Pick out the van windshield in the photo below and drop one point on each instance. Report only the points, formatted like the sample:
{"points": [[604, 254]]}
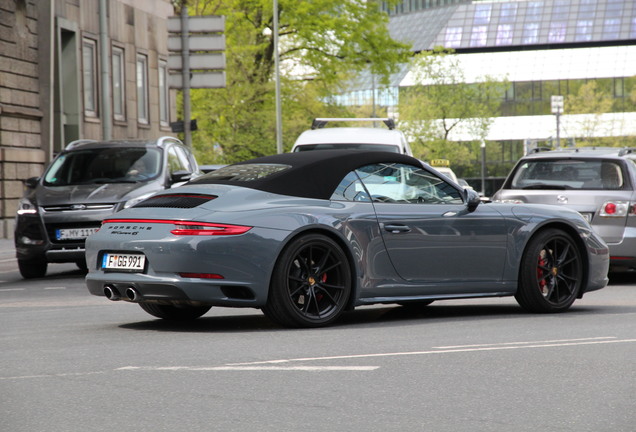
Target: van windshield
{"points": [[348, 146], [104, 165]]}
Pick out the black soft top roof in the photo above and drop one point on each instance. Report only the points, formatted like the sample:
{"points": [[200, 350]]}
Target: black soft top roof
{"points": [[312, 174]]}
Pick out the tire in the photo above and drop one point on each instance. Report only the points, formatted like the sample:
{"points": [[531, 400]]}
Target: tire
{"points": [[175, 313], [551, 273], [33, 268], [311, 283], [82, 266]]}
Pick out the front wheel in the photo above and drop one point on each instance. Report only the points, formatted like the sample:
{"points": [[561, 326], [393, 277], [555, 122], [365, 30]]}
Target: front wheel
{"points": [[32, 268], [311, 283], [175, 312], [551, 273]]}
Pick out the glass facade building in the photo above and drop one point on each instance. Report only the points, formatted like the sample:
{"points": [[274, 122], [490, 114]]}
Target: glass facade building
{"points": [[540, 48]]}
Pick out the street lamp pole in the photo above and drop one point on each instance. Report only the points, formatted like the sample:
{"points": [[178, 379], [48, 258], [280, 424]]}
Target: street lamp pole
{"points": [[279, 116], [483, 167]]}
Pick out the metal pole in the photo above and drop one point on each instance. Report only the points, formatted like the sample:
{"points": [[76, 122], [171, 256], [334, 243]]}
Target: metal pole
{"points": [[185, 57], [105, 69], [558, 131], [483, 167], [279, 115]]}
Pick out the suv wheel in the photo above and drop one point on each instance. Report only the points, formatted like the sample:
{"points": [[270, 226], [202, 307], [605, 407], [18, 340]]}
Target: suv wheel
{"points": [[33, 268]]}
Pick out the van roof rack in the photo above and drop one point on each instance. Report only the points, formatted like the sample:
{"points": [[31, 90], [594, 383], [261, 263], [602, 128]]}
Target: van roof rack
{"points": [[320, 123], [75, 143]]}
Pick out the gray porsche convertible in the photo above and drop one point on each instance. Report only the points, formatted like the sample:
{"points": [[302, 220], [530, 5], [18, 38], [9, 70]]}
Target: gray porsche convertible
{"points": [[307, 236]]}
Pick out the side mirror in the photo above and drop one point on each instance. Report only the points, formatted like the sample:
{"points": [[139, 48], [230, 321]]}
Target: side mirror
{"points": [[32, 182], [472, 199], [180, 176]]}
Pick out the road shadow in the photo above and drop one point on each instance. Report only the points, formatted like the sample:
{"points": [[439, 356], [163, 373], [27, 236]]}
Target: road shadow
{"points": [[389, 315]]}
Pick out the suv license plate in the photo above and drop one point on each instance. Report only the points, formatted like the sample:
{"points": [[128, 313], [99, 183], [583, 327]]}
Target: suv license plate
{"points": [[128, 262], [74, 233]]}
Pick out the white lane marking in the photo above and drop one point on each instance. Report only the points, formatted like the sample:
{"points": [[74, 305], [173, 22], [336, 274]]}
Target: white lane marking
{"points": [[8, 260], [248, 368], [12, 289], [526, 343], [51, 375], [54, 288], [446, 351]]}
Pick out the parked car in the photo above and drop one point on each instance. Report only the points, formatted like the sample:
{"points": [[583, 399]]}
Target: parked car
{"points": [[320, 137], [85, 183], [599, 183], [305, 236]]}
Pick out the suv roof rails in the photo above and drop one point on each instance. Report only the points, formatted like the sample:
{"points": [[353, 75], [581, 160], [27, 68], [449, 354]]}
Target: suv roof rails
{"points": [[75, 143], [538, 150], [319, 123], [627, 150]]}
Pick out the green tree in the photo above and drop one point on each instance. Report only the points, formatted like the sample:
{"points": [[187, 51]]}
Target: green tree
{"points": [[322, 43], [441, 102], [592, 102]]}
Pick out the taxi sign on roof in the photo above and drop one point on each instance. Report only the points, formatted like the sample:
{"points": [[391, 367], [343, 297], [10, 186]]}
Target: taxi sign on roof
{"points": [[440, 162]]}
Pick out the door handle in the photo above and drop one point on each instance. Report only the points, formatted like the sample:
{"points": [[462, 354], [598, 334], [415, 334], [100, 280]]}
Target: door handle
{"points": [[396, 228]]}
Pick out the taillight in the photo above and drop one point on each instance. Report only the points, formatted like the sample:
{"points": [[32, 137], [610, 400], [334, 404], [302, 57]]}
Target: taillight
{"points": [[187, 227], [207, 229], [614, 209]]}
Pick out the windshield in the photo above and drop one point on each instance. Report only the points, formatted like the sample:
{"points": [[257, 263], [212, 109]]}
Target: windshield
{"points": [[348, 146], [568, 174], [104, 165]]}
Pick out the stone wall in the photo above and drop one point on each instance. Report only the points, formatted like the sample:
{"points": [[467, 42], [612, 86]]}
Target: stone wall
{"points": [[21, 155]]}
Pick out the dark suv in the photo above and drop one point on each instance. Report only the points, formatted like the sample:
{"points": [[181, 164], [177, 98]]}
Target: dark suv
{"points": [[85, 183], [597, 182]]}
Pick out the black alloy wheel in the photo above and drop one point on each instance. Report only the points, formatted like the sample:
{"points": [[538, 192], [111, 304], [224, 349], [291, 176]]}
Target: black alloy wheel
{"points": [[551, 273], [311, 283]]}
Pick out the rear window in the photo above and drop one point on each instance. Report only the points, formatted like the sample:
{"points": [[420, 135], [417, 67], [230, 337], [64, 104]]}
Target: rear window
{"points": [[243, 172], [569, 174]]}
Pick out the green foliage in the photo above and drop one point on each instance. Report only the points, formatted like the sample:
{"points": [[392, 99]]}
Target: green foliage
{"points": [[594, 101], [443, 103], [330, 40]]}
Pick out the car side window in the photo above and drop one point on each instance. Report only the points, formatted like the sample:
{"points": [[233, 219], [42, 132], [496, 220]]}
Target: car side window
{"points": [[351, 189], [177, 160], [400, 183]]}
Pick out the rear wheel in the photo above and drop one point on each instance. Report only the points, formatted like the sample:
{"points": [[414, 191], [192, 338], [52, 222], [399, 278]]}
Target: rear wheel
{"points": [[32, 268], [175, 312], [311, 283], [551, 273]]}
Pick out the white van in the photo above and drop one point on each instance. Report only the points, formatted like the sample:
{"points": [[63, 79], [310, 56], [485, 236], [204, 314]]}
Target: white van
{"points": [[360, 138]]}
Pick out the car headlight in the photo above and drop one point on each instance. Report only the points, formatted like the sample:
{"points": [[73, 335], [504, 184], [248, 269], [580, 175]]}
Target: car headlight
{"points": [[26, 206], [131, 202]]}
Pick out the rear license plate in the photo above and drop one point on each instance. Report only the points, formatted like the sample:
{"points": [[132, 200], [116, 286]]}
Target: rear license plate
{"points": [[74, 233], [120, 261]]}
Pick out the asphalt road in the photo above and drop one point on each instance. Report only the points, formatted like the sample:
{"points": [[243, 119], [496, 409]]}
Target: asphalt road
{"points": [[74, 362]]}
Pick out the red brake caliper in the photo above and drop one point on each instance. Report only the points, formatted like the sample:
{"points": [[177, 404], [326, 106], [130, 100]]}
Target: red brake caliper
{"points": [[540, 273]]}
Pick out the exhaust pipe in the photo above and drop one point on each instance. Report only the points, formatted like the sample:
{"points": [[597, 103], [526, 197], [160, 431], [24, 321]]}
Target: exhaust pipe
{"points": [[132, 294], [111, 293]]}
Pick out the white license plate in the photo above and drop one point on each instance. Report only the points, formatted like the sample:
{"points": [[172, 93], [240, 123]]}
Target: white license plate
{"points": [[120, 261], [74, 233]]}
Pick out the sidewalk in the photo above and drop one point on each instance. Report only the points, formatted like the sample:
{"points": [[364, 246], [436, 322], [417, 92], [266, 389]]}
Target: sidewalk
{"points": [[7, 249]]}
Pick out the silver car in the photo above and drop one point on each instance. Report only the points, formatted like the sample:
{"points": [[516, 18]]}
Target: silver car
{"points": [[597, 182], [306, 236]]}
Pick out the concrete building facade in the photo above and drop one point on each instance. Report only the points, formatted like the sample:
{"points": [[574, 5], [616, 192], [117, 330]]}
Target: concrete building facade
{"points": [[77, 69]]}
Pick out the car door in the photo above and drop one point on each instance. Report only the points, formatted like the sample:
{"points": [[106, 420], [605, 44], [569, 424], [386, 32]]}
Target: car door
{"points": [[428, 231]]}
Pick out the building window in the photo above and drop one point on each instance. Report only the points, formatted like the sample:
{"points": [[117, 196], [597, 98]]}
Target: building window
{"points": [[164, 94], [89, 66], [142, 89], [119, 84], [453, 37]]}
